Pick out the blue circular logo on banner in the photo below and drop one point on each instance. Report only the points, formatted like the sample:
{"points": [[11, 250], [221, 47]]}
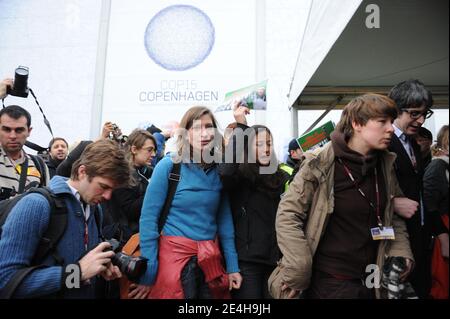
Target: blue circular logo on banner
{"points": [[179, 37]]}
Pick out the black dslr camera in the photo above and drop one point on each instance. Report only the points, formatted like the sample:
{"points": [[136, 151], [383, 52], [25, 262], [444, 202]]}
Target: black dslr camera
{"points": [[132, 267], [6, 193], [392, 269], [20, 86], [116, 135]]}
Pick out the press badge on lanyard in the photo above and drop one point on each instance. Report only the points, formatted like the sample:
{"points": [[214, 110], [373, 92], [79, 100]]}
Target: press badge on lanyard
{"points": [[380, 232], [383, 233]]}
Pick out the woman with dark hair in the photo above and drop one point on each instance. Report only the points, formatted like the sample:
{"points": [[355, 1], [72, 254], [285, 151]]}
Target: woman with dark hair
{"points": [[184, 259], [435, 191], [123, 211], [255, 184]]}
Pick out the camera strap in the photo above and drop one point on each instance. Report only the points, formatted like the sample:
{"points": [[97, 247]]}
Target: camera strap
{"points": [[377, 192], [46, 122], [23, 175]]}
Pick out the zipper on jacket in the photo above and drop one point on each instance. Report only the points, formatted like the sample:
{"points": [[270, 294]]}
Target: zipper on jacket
{"points": [[244, 215]]}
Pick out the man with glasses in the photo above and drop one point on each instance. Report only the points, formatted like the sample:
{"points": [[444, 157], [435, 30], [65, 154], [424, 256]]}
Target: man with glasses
{"points": [[413, 103]]}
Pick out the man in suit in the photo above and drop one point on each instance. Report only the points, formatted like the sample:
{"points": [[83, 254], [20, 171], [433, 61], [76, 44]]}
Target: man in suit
{"points": [[413, 102]]}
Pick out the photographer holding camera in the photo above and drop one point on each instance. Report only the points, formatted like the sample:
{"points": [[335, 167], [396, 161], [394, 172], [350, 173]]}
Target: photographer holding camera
{"points": [[19, 171], [102, 167]]}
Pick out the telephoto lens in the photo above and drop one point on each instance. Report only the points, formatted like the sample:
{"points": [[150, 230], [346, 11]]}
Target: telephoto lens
{"points": [[20, 86], [21, 79], [130, 266]]}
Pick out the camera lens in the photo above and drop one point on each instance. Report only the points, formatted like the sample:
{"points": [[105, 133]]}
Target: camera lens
{"points": [[21, 79], [132, 267], [22, 70]]}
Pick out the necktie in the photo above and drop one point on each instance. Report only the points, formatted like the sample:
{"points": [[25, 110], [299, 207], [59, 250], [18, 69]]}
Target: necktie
{"points": [[409, 149]]}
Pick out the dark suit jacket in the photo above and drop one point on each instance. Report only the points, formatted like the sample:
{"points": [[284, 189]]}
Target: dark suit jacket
{"points": [[409, 179], [410, 182]]}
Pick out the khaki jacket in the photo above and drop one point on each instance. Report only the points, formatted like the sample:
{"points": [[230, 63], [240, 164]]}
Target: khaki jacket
{"points": [[303, 214]]}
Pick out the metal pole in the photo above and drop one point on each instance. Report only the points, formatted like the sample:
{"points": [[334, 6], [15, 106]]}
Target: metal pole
{"points": [[294, 121], [97, 103], [329, 108]]}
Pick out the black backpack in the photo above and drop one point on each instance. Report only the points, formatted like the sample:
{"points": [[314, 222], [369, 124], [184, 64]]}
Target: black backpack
{"points": [[48, 243]]}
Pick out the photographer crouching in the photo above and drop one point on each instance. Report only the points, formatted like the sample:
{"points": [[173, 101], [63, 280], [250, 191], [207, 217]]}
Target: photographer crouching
{"points": [[70, 269]]}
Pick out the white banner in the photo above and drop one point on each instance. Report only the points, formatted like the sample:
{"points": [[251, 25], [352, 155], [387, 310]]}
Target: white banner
{"points": [[164, 57]]}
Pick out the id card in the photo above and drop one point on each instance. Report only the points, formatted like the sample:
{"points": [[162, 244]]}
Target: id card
{"points": [[384, 233]]}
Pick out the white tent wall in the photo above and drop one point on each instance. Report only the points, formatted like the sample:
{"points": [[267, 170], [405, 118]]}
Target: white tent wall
{"points": [[367, 59], [57, 40], [326, 22]]}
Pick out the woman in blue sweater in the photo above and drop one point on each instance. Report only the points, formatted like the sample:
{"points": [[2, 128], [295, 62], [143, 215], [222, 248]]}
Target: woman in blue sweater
{"points": [[185, 261]]}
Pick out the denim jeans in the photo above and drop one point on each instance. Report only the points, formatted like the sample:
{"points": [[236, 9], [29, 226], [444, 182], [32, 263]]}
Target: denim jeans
{"points": [[193, 281]]}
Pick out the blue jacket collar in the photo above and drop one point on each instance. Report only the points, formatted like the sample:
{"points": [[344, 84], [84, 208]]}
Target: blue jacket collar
{"points": [[58, 185]]}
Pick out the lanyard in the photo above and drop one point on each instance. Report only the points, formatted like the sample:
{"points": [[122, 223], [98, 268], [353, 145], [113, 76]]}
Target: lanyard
{"points": [[377, 208], [86, 232]]}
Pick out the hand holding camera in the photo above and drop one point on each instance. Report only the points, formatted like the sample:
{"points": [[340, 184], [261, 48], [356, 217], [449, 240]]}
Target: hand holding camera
{"points": [[240, 110], [4, 87], [18, 87], [132, 267], [98, 262], [116, 135], [113, 132]]}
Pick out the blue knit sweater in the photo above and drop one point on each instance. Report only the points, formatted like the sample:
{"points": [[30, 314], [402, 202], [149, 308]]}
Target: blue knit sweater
{"points": [[24, 227], [199, 211]]}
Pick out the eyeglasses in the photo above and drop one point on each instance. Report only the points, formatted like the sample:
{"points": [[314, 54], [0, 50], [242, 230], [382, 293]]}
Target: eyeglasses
{"points": [[417, 114]]}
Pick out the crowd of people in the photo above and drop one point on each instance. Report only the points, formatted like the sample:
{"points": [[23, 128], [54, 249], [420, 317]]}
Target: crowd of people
{"points": [[218, 216]]}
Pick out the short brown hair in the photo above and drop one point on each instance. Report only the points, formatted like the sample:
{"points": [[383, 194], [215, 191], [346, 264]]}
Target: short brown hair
{"points": [[106, 159], [53, 140], [363, 108]]}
